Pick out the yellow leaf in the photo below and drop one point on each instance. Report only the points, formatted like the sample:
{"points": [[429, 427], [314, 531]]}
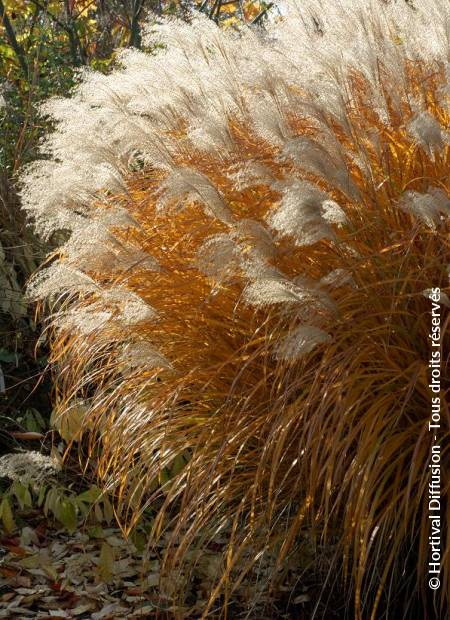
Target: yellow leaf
{"points": [[69, 424]]}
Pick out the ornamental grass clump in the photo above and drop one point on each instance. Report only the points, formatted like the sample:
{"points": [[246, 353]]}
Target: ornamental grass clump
{"points": [[239, 308]]}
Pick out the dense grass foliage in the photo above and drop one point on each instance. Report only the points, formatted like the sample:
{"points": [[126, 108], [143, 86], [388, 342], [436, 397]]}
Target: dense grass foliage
{"points": [[240, 312]]}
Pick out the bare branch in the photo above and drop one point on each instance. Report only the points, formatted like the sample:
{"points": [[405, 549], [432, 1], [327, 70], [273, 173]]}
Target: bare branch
{"points": [[135, 34], [18, 50]]}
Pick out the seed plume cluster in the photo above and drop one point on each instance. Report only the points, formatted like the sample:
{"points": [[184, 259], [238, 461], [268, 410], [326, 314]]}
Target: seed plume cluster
{"points": [[250, 221]]}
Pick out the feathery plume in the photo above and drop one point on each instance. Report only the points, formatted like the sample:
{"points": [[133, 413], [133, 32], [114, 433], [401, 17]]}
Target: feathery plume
{"points": [[287, 194]]}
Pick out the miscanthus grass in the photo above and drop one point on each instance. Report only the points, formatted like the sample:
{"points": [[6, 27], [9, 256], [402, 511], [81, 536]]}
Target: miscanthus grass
{"points": [[253, 220]]}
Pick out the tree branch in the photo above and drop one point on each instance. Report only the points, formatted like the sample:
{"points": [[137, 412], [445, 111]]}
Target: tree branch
{"points": [[76, 49], [50, 14], [262, 13], [74, 39], [135, 31], [18, 50]]}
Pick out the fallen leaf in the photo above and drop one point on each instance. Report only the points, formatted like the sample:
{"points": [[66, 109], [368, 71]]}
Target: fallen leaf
{"points": [[81, 609], [16, 550], [142, 611], [152, 580], [28, 436], [31, 561], [106, 611]]}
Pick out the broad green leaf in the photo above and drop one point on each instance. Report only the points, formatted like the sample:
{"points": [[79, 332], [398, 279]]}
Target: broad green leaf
{"points": [[96, 531], [139, 540], [67, 515], [51, 501], [41, 496], [8, 356], [98, 512], [106, 562], [108, 511], [177, 465], [7, 515], [22, 494], [82, 507], [33, 421], [90, 496]]}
